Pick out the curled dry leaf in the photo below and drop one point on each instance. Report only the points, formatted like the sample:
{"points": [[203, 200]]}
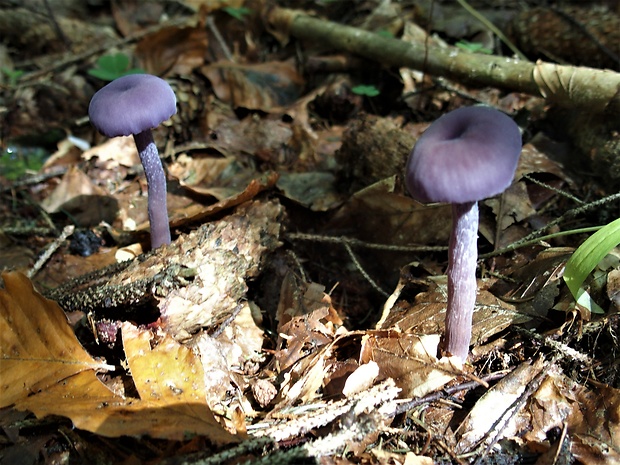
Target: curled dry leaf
{"points": [[197, 212]]}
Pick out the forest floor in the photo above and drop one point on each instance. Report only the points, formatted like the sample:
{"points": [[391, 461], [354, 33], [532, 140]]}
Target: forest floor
{"points": [[297, 315]]}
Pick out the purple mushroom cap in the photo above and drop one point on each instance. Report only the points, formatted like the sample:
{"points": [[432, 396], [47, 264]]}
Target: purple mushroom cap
{"points": [[466, 155], [132, 104]]}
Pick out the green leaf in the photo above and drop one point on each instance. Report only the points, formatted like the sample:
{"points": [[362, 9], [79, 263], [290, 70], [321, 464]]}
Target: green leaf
{"points": [[110, 67], [117, 62], [473, 47], [237, 13], [13, 75], [586, 257], [102, 74], [368, 91], [385, 33]]}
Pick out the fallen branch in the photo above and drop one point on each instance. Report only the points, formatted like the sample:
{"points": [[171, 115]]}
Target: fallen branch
{"points": [[566, 86]]}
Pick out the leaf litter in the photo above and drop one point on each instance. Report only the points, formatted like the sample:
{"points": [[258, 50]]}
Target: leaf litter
{"points": [[299, 311]]}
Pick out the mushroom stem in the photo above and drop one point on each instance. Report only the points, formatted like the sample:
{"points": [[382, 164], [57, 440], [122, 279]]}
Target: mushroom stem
{"points": [[462, 257], [156, 181]]}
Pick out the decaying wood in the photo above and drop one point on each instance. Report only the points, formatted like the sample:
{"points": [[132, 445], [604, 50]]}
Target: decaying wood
{"points": [[196, 281], [567, 86]]}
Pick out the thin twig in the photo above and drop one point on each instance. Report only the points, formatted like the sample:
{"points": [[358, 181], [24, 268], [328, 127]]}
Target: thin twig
{"points": [[218, 37], [560, 347], [447, 392], [362, 271], [367, 245], [66, 232], [554, 189], [538, 234], [36, 179], [59, 32]]}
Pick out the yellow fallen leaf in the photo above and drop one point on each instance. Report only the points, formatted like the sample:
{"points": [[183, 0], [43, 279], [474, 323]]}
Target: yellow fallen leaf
{"points": [[167, 371], [44, 369], [37, 346]]}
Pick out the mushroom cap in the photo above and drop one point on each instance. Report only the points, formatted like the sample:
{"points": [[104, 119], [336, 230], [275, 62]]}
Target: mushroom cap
{"points": [[466, 155], [132, 104]]}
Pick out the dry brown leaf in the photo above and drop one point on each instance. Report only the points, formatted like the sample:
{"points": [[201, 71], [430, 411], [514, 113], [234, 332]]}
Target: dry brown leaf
{"points": [[317, 190], [236, 351], [383, 215], [427, 315], [173, 50], [196, 213], [199, 174], [93, 407], [535, 160], [74, 183], [408, 359], [167, 373], [305, 321], [262, 86], [114, 152], [599, 429], [38, 347]]}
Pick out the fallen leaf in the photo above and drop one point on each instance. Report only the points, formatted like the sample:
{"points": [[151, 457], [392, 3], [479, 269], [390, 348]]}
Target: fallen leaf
{"points": [[427, 314], [45, 370], [410, 360], [162, 369], [262, 86], [495, 409], [38, 348]]}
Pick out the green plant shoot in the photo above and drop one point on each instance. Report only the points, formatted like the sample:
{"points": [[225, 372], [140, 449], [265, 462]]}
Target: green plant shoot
{"points": [[585, 258], [12, 75], [110, 67], [237, 13], [473, 47], [368, 91]]}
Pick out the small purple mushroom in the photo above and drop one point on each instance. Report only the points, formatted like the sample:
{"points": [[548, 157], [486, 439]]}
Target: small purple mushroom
{"points": [[135, 104], [466, 155]]}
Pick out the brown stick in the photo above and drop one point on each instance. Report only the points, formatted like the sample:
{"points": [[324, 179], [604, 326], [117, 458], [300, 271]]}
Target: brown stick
{"points": [[568, 86]]}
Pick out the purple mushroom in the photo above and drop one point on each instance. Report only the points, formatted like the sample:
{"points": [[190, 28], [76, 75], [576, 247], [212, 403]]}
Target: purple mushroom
{"points": [[466, 155], [135, 104]]}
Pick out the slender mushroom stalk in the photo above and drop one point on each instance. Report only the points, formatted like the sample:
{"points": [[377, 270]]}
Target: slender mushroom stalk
{"points": [[462, 257], [156, 185], [466, 155], [135, 104]]}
